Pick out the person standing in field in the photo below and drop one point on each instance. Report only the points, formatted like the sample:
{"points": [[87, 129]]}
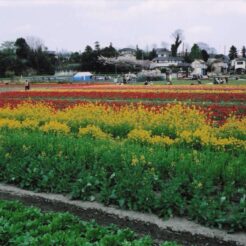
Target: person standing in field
{"points": [[169, 77], [27, 85]]}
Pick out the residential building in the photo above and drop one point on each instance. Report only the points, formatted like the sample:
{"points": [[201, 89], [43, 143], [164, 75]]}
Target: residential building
{"points": [[239, 64], [163, 52], [164, 62], [217, 66], [199, 68], [127, 52]]}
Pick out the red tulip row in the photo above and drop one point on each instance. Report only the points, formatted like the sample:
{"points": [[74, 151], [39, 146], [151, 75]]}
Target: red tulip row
{"points": [[183, 96]]}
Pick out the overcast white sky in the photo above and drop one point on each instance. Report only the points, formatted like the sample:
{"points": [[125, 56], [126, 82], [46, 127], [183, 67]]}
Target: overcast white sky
{"points": [[72, 24]]}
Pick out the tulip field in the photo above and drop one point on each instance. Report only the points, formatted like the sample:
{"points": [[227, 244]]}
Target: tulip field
{"points": [[166, 150], [219, 101]]}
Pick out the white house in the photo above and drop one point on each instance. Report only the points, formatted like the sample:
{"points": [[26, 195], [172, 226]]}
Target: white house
{"points": [[163, 52], [238, 64], [163, 62], [199, 67], [127, 52]]}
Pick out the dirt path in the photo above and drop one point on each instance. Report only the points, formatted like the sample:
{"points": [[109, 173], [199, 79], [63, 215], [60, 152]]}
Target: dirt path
{"points": [[174, 229]]}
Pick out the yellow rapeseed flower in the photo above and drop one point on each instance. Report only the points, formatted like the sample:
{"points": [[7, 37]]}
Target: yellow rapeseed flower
{"points": [[55, 126], [93, 131]]}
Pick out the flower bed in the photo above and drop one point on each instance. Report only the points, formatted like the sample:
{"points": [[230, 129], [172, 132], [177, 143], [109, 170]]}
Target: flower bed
{"points": [[89, 150], [143, 95], [168, 159]]}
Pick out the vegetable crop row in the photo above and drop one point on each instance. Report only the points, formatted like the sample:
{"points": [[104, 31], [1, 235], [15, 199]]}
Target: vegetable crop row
{"points": [[204, 185], [21, 225]]}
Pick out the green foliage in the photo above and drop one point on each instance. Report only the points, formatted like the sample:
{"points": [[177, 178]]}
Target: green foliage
{"points": [[204, 55], [195, 53], [109, 51], [152, 54], [7, 59], [20, 225], [22, 48], [19, 59], [203, 184], [89, 58], [42, 62], [139, 53], [233, 52], [244, 52]]}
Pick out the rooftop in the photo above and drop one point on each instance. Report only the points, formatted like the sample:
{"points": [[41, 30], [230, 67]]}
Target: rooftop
{"points": [[171, 58]]}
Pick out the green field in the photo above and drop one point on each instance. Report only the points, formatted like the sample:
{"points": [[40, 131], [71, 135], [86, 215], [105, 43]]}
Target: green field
{"points": [[203, 184], [21, 225]]}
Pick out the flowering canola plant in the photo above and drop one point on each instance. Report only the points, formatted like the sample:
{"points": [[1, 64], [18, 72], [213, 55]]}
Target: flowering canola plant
{"points": [[174, 124]]}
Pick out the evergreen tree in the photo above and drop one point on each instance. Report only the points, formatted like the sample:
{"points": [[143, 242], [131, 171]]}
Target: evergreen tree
{"points": [[139, 54], [97, 46], [7, 63], [244, 52], [75, 57], [109, 51], [233, 52], [195, 53], [23, 56], [88, 59], [187, 57], [88, 49], [42, 62], [22, 48], [204, 55], [7, 58], [152, 54]]}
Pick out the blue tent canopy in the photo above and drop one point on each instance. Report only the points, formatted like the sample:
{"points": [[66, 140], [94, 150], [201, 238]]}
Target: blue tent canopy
{"points": [[82, 76]]}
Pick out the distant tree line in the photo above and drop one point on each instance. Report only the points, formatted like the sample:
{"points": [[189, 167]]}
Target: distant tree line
{"points": [[198, 53], [33, 58], [88, 59], [18, 58]]}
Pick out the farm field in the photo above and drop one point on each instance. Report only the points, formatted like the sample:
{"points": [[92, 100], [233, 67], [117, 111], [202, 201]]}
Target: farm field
{"points": [[167, 150], [219, 101]]}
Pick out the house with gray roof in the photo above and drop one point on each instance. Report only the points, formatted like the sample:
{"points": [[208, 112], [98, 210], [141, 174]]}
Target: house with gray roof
{"points": [[199, 67], [217, 66], [164, 62], [127, 52], [163, 52]]}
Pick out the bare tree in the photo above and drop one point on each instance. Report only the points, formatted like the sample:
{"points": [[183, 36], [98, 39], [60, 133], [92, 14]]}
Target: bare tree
{"points": [[35, 43], [203, 46], [8, 45], [178, 36]]}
